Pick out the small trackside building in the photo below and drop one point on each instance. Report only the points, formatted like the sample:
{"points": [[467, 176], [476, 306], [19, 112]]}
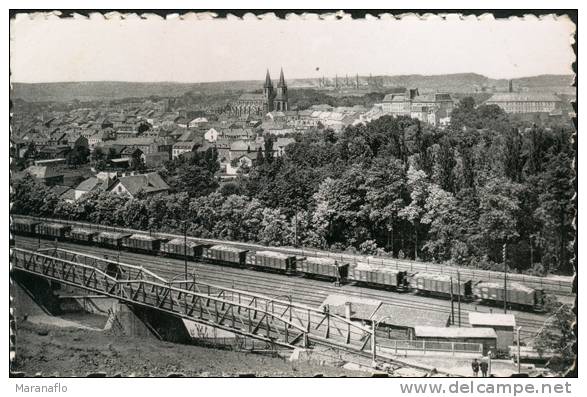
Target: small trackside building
{"points": [[485, 336], [504, 326]]}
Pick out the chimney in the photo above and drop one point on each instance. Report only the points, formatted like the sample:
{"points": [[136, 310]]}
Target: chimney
{"points": [[510, 86]]}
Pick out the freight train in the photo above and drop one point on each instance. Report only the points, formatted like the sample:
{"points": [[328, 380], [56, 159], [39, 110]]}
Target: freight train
{"points": [[362, 273]]}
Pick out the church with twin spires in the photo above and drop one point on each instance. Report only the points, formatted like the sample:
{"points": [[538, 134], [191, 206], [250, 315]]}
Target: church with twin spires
{"points": [[272, 99]]}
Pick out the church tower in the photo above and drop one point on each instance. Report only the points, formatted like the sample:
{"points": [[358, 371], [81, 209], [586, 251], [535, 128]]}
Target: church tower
{"points": [[268, 93], [281, 103]]}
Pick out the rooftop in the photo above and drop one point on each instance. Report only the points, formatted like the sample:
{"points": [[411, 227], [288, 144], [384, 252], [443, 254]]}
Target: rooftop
{"points": [[409, 317], [495, 319], [454, 333], [526, 97]]}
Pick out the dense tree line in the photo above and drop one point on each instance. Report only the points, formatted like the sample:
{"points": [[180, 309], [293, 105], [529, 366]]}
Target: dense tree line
{"points": [[392, 187]]}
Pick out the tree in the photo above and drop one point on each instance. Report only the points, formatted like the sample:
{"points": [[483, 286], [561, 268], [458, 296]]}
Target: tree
{"points": [[557, 336], [446, 225], [196, 176], [385, 188], [513, 157], [418, 187], [499, 214]]}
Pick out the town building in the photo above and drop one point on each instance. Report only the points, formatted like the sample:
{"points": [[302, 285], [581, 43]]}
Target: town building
{"points": [[512, 102], [132, 185], [47, 175]]}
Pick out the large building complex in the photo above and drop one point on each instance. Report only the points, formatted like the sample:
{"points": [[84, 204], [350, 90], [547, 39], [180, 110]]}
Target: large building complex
{"points": [[512, 102], [431, 108]]}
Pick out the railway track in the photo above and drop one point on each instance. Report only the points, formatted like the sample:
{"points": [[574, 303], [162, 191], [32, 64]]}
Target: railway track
{"points": [[562, 286], [302, 290]]}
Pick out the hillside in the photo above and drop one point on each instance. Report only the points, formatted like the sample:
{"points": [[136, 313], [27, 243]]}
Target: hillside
{"points": [[110, 90]]}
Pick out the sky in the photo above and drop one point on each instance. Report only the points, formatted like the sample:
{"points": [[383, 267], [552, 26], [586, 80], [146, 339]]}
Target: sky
{"points": [[96, 49]]}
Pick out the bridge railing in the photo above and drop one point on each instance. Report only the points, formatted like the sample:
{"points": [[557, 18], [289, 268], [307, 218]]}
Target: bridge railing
{"points": [[245, 313]]}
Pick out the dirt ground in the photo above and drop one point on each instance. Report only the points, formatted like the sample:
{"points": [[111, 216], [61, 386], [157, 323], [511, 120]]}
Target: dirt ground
{"points": [[64, 352]]}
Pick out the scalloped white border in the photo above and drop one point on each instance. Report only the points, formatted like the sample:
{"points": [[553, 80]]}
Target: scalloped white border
{"points": [[327, 16]]}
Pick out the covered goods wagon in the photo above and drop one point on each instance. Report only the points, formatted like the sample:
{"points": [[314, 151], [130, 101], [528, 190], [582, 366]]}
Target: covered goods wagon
{"points": [[111, 239], [142, 243], [53, 230], [273, 260], [442, 285], [517, 294], [378, 275], [80, 235], [25, 227], [178, 247], [224, 254], [323, 268]]}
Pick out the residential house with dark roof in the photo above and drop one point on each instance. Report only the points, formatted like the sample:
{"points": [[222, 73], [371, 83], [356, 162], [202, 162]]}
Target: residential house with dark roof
{"points": [[46, 175], [148, 184], [180, 148], [91, 184]]}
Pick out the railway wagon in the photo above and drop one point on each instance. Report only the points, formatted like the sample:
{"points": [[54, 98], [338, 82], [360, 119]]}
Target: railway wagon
{"points": [[53, 230], [377, 275], [82, 236], [175, 248], [224, 254], [110, 239], [323, 268], [440, 285], [141, 243], [271, 260], [517, 294], [24, 227]]}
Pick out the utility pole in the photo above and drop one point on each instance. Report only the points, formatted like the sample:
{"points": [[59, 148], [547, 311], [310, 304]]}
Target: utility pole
{"points": [[185, 245], [459, 296], [374, 343], [296, 228], [452, 305], [505, 280], [518, 340]]}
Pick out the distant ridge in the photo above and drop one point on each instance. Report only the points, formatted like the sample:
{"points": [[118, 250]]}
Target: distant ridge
{"points": [[111, 90]]}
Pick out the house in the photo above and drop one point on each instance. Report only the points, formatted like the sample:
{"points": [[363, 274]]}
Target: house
{"points": [[54, 152], [399, 101], [211, 135], [156, 159], [64, 193], [245, 160], [47, 175], [99, 137], [240, 148], [91, 185], [149, 184], [144, 144], [78, 141], [180, 148]]}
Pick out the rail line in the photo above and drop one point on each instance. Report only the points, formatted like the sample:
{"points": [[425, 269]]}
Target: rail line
{"points": [[557, 285], [303, 290]]}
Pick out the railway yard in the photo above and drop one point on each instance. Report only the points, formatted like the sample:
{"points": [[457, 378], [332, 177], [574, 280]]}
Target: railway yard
{"points": [[426, 309], [302, 290]]}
